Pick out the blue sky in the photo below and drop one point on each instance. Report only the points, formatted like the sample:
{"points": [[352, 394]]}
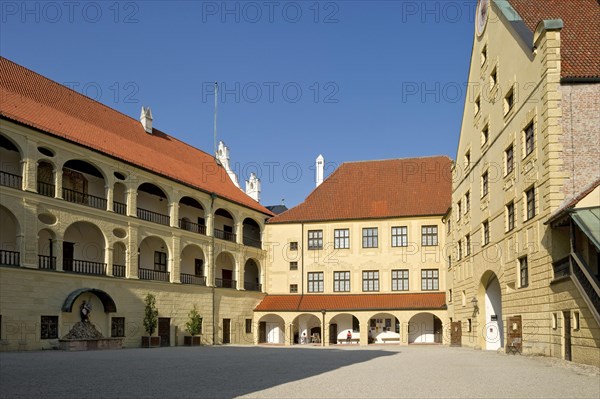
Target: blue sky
{"points": [[352, 80]]}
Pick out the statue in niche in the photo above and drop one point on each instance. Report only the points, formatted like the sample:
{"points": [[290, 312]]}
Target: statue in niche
{"points": [[84, 311]]}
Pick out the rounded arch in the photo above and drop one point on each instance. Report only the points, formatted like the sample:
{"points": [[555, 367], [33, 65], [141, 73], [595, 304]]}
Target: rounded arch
{"points": [[10, 230], [47, 249], [252, 232], [153, 189], [384, 328], [87, 167], [307, 329], [10, 144], [424, 328], [120, 197], [153, 204], [192, 215], [225, 270], [108, 303], [84, 249], [340, 324], [11, 169], [271, 329], [489, 311], [46, 170], [119, 253], [252, 275], [224, 225], [153, 253], [193, 265]]}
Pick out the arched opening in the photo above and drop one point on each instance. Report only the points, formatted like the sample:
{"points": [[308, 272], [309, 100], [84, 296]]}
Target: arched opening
{"points": [[153, 259], [224, 224], [10, 167], [340, 325], [96, 299], [191, 214], [83, 249], [252, 276], [120, 198], [119, 259], [83, 183], [152, 204], [192, 266], [225, 271], [10, 229], [384, 328], [252, 233], [490, 310], [271, 329], [47, 249], [45, 179], [424, 328], [307, 329]]}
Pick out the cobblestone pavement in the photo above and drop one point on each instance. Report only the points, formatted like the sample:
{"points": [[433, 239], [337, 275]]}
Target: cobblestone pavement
{"points": [[296, 372]]}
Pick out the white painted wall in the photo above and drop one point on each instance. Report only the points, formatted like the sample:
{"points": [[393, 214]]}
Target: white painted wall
{"points": [[420, 329], [89, 242], [147, 248], [188, 256], [152, 203], [493, 306]]}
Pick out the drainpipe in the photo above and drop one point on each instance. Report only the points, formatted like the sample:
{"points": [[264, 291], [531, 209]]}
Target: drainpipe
{"points": [[213, 264]]}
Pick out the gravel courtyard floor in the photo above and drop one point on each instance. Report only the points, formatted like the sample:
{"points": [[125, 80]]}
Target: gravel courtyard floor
{"points": [[292, 372]]}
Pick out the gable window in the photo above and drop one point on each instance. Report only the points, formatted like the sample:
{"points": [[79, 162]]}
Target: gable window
{"points": [[315, 239], [294, 246], [529, 139], [117, 327], [341, 238], [341, 281], [510, 216], [370, 239], [370, 280], [399, 280], [160, 261], [399, 236], [486, 232], [49, 327], [315, 282], [530, 197], [429, 236], [484, 183], [523, 272], [509, 158], [429, 280]]}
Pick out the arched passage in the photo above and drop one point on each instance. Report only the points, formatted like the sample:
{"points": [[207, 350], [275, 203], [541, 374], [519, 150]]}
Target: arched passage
{"points": [[251, 231], [83, 249], [384, 328], [9, 231], [153, 204], [271, 329], [119, 259], [252, 276], [225, 271], [45, 179], [10, 167], [224, 225], [47, 249], [424, 328], [120, 198], [153, 259], [191, 215], [307, 329], [340, 324], [83, 183], [192, 265], [489, 297]]}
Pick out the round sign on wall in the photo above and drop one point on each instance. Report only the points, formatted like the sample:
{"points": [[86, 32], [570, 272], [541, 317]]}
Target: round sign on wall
{"points": [[481, 16]]}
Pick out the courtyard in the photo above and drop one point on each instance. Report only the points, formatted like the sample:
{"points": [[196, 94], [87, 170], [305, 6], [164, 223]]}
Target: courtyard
{"points": [[293, 372]]}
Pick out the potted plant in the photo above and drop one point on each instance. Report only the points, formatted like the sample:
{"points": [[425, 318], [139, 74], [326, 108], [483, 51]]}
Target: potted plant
{"points": [[194, 327], [150, 323]]}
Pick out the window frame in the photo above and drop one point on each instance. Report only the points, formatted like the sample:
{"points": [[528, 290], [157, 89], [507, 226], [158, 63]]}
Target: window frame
{"points": [[510, 216], [425, 235], [370, 240], [370, 281], [160, 264], [400, 280], [315, 282], [529, 138], [509, 158], [523, 272], [315, 240], [341, 239], [399, 236], [340, 278], [485, 181], [293, 245], [530, 203], [293, 288], [294, 265], [49, 327], [486, 232], [434, 279], [117, 327]]}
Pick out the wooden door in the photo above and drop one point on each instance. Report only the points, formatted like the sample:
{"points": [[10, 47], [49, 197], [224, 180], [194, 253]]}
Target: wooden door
{"points": [[333, 332], [514, 335], [567, 332], [164, 331], [226, 331], [437, 330], [456, 333], [262, 332], [68, 253]]}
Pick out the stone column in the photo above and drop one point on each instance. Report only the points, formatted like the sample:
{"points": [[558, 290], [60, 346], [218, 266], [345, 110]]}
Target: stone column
{"points": [[132, 204], [174, 214], [58, 182], [108, 259], [176, 260], [108, 191], [59, 253], [131, 261], [239, 231]]}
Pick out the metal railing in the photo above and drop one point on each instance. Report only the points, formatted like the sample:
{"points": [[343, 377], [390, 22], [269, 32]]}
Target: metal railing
{"points": [[224, 235], [46, 262], [10, 258], [587, 283], [224, 283], [252, 242], [46, 189], [191, 226], [118, 270], [192, 279], [120, 208], [252, 287], [84, 267], [150, 274], [78, 197], [10, 180], [153, 217]]}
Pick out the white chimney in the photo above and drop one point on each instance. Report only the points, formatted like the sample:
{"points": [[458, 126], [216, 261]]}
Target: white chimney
{"points": [[319, 168], [253, 187], [223, 158], [146, 119]]}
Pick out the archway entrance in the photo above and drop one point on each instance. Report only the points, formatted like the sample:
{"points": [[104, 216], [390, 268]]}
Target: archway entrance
{"points": [[424, 328], [307, 329], [271, 329], [491, 312]]}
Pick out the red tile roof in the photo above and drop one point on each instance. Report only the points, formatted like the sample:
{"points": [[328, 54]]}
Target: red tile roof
{"points": [[570, 203], [33, 100], [580, 36], [378, 189], [314, 303]]}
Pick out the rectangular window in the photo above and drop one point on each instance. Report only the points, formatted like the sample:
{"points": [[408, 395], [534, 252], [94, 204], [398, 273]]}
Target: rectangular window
{"points": [[483, 57], [160, 261], [117, 327], [468, 244], [509, 154], [293, 265], [575, 321], [370, 238], [399, 280], [485, 133], [294, 246], [467, 202], [510, 216], [459, 250], [486, 233], [49, 327], [199, 267], [315, 282], [429, 236], [448, 226], [477, 105], [450, 295], [400, 236], [429, 280], [530, 196], [469, 325], [484, 183], [248, 326], [494, 77], [509, 101], [315, 239], [341, 238], [293, 288], [371, 280], [523, 272], [467, 159], [529, 139], [341, 281], [459, 210]]}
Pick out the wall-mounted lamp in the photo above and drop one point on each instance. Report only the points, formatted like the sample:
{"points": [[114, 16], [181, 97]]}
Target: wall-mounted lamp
{"points": [[475, 306]]}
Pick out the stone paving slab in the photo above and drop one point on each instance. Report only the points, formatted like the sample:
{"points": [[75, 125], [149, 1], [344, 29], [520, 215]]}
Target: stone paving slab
{"points": [[292, 372]]}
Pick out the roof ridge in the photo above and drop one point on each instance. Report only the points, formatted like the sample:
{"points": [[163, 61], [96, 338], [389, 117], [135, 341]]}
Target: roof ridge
{"points": [[397, 159]]}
